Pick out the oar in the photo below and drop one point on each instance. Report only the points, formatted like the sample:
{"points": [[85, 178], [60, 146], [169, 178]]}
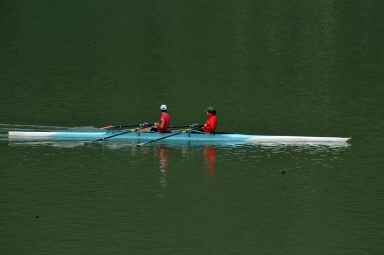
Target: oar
{"points": [[122, 133], [188, 126], [142, 124], [129, 126], [164, 137], [176, 133]]}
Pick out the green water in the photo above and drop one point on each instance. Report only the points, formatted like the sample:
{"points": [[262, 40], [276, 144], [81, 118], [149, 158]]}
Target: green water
{"points": [[269, 67]]}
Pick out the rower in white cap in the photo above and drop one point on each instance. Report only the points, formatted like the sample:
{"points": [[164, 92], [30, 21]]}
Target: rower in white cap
{"points": [[162, 125]]}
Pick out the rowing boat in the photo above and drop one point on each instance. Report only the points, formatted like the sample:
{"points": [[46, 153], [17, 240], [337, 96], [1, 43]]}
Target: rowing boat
{"points": [[183, 137]]}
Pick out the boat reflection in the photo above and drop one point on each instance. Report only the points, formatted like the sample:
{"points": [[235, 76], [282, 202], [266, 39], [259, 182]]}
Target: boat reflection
{"points": [[203, 154]]}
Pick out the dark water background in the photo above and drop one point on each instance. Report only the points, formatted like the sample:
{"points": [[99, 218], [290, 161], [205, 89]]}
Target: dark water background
{"points": [[269, 67]]}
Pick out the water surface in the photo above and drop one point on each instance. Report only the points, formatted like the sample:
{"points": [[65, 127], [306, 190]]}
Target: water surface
{"points": [[269, 67]]}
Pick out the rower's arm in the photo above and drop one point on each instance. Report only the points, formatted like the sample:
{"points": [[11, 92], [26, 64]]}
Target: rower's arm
{"points": [[161, 124], [207, 124]]}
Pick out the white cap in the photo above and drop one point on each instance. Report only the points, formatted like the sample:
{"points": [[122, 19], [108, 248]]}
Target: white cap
{"points": [[163, 107]]}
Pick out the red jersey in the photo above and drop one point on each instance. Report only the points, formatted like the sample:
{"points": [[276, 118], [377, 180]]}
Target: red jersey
{"points": [[211, 125], [166, 119]]}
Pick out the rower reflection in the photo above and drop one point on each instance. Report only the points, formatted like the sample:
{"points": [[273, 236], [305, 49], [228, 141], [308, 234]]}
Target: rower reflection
{"points": [[209, 157], [210, 161], [164, 161]]}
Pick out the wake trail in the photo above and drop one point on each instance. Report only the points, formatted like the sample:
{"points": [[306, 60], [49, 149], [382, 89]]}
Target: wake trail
{"points": [[5, 127]]}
